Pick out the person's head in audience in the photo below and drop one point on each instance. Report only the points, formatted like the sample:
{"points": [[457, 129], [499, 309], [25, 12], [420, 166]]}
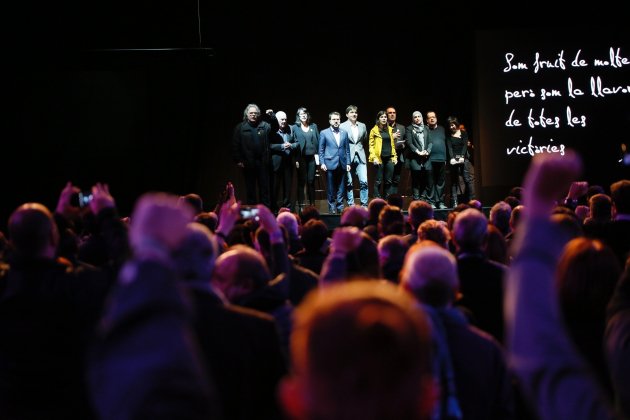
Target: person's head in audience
{"points": [[33, 232], [512, 201], [196, 256], [515, 216], [354, 216], [568, 222], [374, 208], [594, 189], [243, 233], [470, 230], [601, 208], [239, 271], [475, 204], [309, 213], [290, 222], [391, 255], [461, 207], [496, 246], [516, 192], [158, 218], [359, 350], [500, 216], [620, 195], [314, 235], [430, 275], [263, 244], [209, 219], [395, 199], [586, 276], [419, 211], [363, 261], [195, 201], [391, 221], [434, 230]]}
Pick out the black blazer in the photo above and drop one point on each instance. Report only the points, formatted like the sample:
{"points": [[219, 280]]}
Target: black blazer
{"points": [[414, 144]]}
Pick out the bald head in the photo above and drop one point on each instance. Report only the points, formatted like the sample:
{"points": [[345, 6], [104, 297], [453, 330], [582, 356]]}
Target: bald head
{"points": [[430, 274], [33, 232], [239, 271]]}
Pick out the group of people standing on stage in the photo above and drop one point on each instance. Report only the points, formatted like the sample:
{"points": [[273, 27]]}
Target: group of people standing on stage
{"points": [[269, 150]]}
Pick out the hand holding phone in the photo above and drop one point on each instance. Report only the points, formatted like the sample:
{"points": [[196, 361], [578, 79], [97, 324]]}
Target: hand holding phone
{"points": [[249, 212]]}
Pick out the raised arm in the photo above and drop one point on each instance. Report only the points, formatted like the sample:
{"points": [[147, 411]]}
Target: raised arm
{"points": [[554, 376]]}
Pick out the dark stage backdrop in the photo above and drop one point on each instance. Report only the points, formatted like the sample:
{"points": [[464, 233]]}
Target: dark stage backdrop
{"points": [[144, 96], [115, 105]]}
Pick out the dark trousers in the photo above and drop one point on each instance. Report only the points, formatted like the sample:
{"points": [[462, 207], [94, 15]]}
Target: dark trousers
{"points": [[469, 179], [461, 183], [384, 171], [257, 184], [336, 180], [398, 168], [281, 184], [306, 177], [456, 175], [420, 181], [439, 182]]}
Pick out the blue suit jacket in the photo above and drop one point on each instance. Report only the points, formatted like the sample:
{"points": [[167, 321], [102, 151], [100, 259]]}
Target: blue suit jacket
{"points": [[332, 155]]}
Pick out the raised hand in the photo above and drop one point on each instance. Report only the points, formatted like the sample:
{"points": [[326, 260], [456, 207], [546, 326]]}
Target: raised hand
{"points": [[548, 177], [101, 198], [64, 204]]}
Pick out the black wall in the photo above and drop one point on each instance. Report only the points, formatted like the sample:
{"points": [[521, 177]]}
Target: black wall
{"points": [[91, 99]]}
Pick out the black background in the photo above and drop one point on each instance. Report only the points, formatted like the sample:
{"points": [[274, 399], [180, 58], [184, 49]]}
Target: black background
{"points": [[144, 95]]}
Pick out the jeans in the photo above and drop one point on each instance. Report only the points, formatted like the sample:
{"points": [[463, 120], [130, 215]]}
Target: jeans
{"points": [[360, 169]]}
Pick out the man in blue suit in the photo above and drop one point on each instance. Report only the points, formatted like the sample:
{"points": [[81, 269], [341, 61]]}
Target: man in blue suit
{"points": [[334, 153]]}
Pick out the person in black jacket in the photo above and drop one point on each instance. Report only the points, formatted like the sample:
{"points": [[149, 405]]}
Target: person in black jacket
{"points": [[251, 152]]}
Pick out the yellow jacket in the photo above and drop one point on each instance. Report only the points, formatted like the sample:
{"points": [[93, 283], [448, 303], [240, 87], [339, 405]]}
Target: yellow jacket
{"points": [[376, 144]]}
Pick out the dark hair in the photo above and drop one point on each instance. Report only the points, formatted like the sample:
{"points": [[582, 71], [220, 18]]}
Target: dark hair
{"points": [[512, 201], [195, 201], [516, 192], [309, 213], [452, 120], [297, 115], [391, 221], [620, 194], [395, 199], [379, 114], [314, 234], [419, 211], [32, 229]]}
